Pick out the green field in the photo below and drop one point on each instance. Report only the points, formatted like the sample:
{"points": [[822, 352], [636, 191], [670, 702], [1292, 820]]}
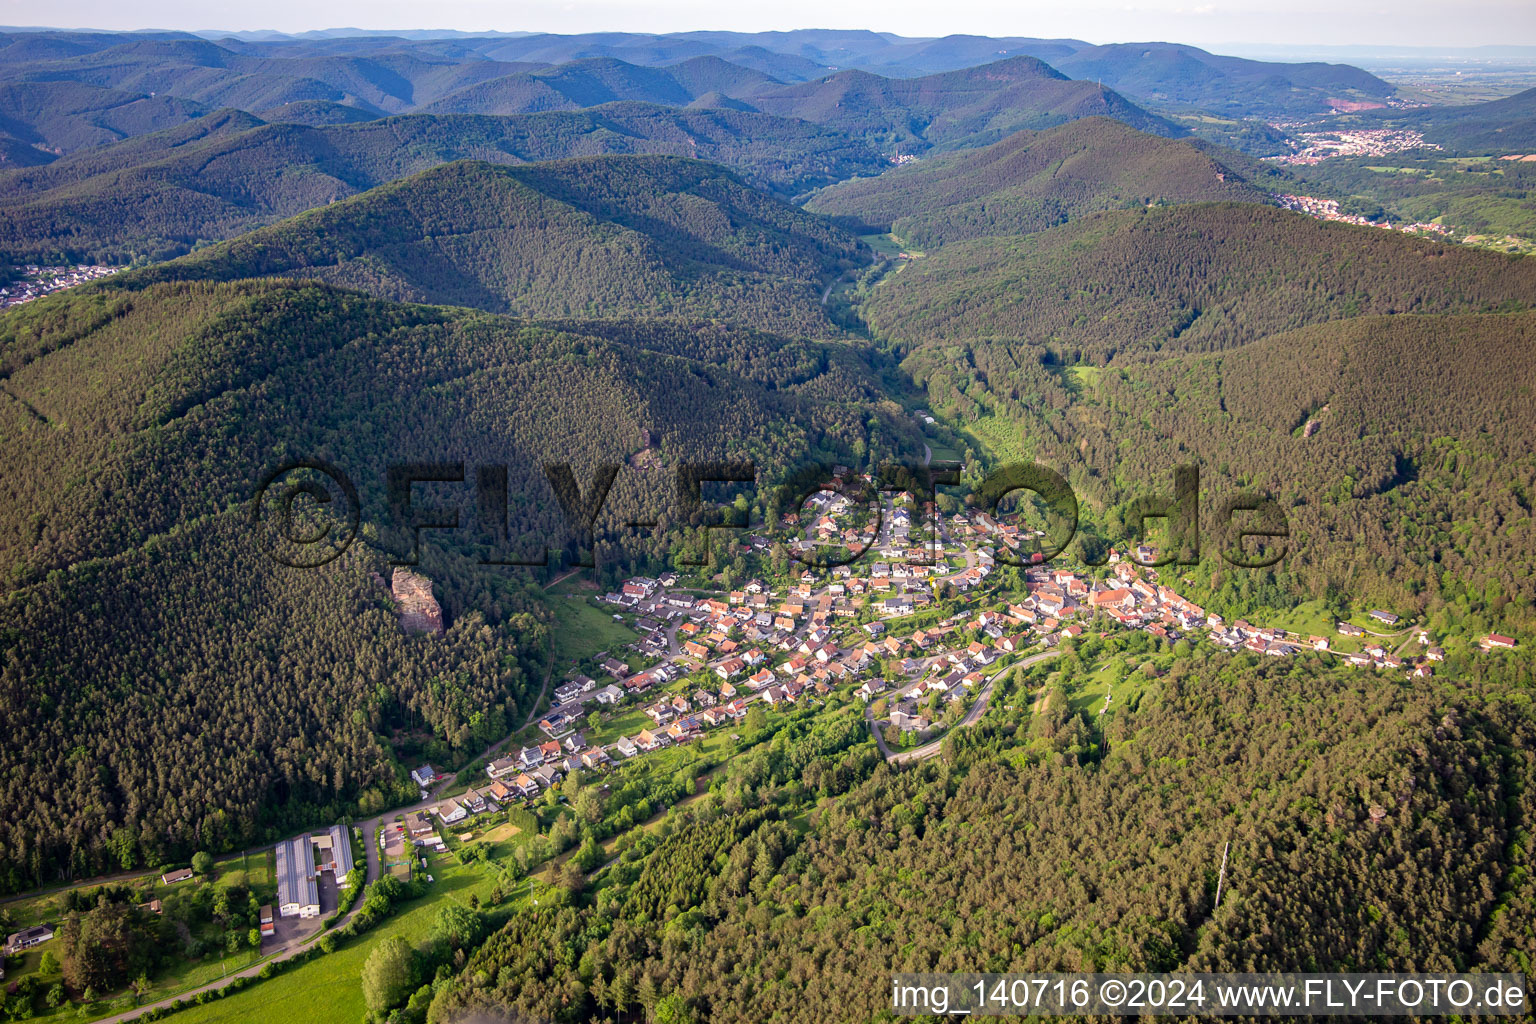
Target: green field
{"points": [[578, 584], [254, 871], [887, 245], [620, 723], [1312, 619], [997, 436], [327, 988], [584, 631]]}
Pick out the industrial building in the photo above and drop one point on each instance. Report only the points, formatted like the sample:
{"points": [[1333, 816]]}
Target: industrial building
{"points": [[333, 852], [297, 893]]}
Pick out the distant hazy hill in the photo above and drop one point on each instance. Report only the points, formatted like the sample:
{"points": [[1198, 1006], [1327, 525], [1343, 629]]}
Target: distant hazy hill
{"points": [[1183, 278], [966, 107], [226, 173], [61, 117], [202, 71], [1173, 74], [1034, 180], [599, 236], [972, 107], [517, 74], [315, 113], [589, 83]]}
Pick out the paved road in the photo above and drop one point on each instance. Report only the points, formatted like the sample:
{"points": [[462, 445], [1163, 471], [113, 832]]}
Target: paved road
{"points": [[375, 868], [978, 709]]}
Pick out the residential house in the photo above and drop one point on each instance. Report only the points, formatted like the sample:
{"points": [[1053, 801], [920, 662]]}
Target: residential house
{"points": [[424, 776], [27, 938], [548, 775]]}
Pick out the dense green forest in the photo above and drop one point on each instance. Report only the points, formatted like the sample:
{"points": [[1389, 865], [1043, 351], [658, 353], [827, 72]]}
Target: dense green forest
{"points": [[1376, 826], [599, 236], [1129, 285], [137, 424], [1031, 181], [1398, 447], [158, 195]]}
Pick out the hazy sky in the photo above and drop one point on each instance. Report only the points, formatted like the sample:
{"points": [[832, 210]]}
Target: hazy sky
{"points": [[1367, 22]]}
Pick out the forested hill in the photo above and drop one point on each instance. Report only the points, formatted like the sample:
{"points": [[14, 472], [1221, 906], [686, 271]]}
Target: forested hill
{"points": [[1034, 180], [137, 424], [53, 117], [971, 107], [227, 172], [1030, 847], [1124, 285], [599, 236], [1371, 381], [1398, 447], [63, 104]]}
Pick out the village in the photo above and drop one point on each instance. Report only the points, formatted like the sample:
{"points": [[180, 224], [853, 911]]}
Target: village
{"points": [[1328, 209], [34, 281], [1316, 146], [711, 657]]}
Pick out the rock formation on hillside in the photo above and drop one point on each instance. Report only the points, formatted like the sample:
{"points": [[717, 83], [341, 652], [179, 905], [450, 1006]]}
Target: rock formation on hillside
{"points": [[419, 610]]}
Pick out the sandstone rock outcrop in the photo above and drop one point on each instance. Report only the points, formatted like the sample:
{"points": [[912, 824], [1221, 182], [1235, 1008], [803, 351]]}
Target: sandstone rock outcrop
{"points": [[419, 610]]}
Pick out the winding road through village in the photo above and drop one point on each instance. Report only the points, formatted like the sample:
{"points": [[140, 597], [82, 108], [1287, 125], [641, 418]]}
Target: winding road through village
{"points": [[978, 709]]}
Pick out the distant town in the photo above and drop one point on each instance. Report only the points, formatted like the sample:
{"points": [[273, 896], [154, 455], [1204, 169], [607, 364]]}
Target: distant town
{"points": [[34, 281], [1328, 209], [1316, 146]]}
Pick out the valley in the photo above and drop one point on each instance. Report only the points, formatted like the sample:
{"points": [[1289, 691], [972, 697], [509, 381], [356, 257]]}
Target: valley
{"points": [[680, 527]]}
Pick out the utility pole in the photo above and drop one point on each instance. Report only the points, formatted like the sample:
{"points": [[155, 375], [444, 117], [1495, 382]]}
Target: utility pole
{"points": [[1222, 875]]}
